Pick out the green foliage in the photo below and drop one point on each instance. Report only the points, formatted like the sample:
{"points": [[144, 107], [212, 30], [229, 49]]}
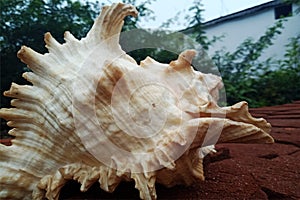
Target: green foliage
{"points": [[261, 82], [25, 22], [283, 84], [161, 45], [195, 21]]}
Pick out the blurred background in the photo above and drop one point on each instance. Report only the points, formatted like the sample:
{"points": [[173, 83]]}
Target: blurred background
{"points": [[254, 44]]}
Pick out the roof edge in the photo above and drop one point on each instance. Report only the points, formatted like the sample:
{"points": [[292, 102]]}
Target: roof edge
{"points": [[238, 14]]}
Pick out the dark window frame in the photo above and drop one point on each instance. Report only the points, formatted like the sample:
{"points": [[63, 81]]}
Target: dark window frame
{"points": [[285, 10]]}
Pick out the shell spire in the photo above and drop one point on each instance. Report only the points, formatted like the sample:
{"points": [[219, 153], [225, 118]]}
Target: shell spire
{"points": [[92, 114]]}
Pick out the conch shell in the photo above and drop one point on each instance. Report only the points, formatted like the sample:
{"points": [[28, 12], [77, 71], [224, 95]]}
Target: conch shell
{"points": [[93, 114]]}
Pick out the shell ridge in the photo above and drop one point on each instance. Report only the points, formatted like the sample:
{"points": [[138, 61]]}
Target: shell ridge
{"points": [[69, 38], [239, 112], [141, 181], [52, 44]]}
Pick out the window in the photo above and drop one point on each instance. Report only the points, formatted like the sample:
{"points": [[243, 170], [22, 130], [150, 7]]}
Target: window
{"points": [[283, 11]]}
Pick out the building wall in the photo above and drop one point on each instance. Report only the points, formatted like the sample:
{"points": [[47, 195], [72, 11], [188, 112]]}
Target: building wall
{"points": [[235, 31]]}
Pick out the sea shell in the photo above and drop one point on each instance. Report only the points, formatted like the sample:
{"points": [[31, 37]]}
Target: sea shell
{"points": [[93, 114]]}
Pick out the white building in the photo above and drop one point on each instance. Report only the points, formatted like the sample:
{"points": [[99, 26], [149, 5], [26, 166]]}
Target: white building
{"points": [[253, 22]]}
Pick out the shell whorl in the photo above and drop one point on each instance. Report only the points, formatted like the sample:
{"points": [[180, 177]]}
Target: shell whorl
{"points": [[77, 108]]}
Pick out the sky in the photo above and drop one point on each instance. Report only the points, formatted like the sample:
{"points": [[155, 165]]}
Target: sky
{"points": [[166, 9]]}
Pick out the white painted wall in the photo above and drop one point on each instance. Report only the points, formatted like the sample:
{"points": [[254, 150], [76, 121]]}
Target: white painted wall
{"points": [[254, 26]]}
